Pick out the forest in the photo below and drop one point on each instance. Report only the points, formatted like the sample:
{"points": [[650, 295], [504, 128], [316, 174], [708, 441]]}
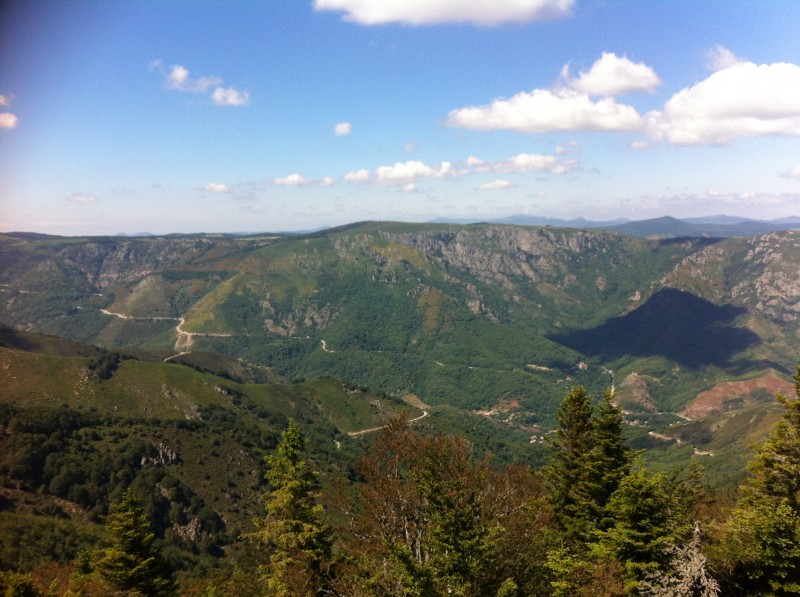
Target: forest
{"points": [[423, 514]]}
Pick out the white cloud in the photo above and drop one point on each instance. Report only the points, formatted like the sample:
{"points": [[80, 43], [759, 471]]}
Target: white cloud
{"points": [[342, 129], [82, 198], [792, 173], [296, 180], [410, 188], [230, 96], [523, 162], [216, 187], [719, 58], [639, 144], [428, 12], [293, 180], [742, 100], [403, 172], [611, 75], [5, 100], [527, 162], [543, 110], [357, 176], [8, 120], [410, 147], [178, 79], [494, 185]]}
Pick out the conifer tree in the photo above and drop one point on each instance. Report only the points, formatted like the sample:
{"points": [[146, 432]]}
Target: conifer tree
{"points": [[293, 532], [609, 459], [759, 551], [567, 472], [589, 459], [131, 562]]}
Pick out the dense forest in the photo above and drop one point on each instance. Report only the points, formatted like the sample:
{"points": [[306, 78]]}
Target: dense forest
{"points": [[424, 514]]}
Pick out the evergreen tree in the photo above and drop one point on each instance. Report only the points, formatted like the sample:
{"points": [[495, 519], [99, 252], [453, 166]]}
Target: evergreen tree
{"points": [[567, 472], [589, 458], [131, 562], [293, 532], [609, 459], [640, 530], [759, 551]]}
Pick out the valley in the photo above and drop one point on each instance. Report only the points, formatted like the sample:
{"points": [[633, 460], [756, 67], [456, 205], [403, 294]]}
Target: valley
{"points": [[174, 363]]}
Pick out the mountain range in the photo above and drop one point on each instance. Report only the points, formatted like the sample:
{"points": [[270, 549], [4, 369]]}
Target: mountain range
{"points": [[493, 321], [663, 227]]}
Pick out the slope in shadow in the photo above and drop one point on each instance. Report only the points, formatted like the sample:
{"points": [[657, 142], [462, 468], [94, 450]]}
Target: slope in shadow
{"points": [[673, 324]]}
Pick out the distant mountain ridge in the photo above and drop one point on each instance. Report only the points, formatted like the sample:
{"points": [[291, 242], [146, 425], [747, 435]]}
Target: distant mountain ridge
{"points": [[721, 226]]}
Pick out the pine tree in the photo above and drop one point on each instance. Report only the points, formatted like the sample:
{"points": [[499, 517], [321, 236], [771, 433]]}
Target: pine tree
{"points": [[567, 472], [293, 532], [609, 460], [588, 461], [131, 562], [759, 551]]}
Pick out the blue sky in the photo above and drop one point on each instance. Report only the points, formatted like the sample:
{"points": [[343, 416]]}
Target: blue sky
{"points": [[123, 116]]}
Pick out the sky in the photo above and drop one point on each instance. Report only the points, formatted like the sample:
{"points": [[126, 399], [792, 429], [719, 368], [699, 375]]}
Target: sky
{"points": [[123, 116]]}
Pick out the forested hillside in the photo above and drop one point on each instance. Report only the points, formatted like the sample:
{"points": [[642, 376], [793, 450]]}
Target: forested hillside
{"points": [[170, 367], [418, 512]]}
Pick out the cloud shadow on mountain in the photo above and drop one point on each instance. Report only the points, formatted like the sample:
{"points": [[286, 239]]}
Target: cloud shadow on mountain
{"points": [[673, 324]]}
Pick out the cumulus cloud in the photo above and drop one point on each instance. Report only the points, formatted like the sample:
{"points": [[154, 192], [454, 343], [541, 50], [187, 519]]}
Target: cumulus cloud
{"points": [[410, 188], [82, 198], [427, 12], [742, 100], [612, 75], [216, 187], [792, 173], [178, 78], [8, 120], [357, 176], [494, 185], [296, 180], [719, 58], [403, 172], [544, 110], [342, 129], [293, 180], [569, 106], [230, 96], [523, 162]]}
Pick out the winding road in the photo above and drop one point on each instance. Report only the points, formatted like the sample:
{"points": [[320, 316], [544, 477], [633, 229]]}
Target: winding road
{"points": [[185, 339], [373, 429]]}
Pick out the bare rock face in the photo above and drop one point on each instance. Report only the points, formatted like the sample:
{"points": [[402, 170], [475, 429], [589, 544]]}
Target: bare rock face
{"points": [[633, 391], [510, 255], [774, 286], [760, 273], [108, 262]]}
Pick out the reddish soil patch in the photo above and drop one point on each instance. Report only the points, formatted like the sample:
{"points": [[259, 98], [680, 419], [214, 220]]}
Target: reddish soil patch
{"points": [[733, 395]]}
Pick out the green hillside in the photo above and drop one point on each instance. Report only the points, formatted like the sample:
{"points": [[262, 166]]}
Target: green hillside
{"points": [[467, 318]]}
